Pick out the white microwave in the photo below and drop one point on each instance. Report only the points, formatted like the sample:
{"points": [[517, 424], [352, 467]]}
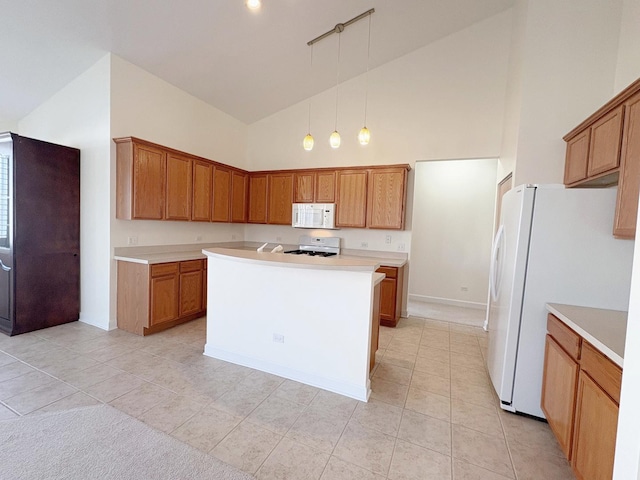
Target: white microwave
{"points": [[314, 215]]}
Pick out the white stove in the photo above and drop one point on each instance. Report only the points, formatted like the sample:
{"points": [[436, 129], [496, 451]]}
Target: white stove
{"points": [[317, 246]]}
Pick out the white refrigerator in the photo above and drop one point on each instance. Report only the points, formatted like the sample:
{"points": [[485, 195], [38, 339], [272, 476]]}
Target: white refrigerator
{"points": [[553, 245]]}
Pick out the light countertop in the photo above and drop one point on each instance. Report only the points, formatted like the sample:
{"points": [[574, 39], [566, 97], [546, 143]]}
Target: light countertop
{"points": [[604, 329], [178, 253]]}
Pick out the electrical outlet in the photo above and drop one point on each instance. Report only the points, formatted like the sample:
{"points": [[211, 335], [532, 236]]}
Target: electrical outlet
{"points": [[464, 289], [364, 244], [387, 239], [198, 238], [401, 247], [133, 240], [278, 338]]}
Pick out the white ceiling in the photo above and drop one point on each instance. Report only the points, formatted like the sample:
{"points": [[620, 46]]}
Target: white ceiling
{"points": [[246, 64]]}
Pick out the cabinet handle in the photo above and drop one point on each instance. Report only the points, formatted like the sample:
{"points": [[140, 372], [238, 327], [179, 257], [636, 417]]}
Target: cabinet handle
{"points": [[4, 267]]}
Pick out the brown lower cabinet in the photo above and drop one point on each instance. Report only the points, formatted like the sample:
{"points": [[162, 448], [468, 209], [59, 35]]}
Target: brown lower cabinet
{"points": [[391, 291], [580, 398], [151, 298], [375, 327]]}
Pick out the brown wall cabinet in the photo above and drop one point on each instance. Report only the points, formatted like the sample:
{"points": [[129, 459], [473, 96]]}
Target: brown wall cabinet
{"points": [[605, 150], [239, 196], [221, 197], [179, 187], [280, 195], [315, 186], [386, 198], [258, 198], [580, 397], [391, 292], [202, 191], [351, 198], [151, 298]]}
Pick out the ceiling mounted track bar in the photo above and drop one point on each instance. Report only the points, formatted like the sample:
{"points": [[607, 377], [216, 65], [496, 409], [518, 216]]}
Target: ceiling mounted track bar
{"points": [[341, 26]]}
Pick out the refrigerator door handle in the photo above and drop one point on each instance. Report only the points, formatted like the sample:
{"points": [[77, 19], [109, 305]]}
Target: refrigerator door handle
{"points": [[494, 269], [4, 267]]}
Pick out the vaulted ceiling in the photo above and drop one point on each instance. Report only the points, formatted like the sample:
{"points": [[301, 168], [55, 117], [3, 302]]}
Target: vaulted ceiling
{"points": [[247, 64]]}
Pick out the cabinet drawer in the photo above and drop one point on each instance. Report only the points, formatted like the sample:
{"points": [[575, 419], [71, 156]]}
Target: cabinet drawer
{"points": [[603, 371], [564, 336], [160, 269], [190, 266], [390, 272]]}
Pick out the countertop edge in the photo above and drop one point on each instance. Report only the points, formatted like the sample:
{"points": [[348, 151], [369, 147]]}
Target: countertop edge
{"points": [[291, 261], [598, 344]]}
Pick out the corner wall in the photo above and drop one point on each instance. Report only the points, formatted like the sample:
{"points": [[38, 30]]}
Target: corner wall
{"points": [[78, 116]]}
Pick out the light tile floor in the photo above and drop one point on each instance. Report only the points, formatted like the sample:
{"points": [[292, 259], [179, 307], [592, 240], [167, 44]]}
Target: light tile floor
{"points": [[432, 413]]}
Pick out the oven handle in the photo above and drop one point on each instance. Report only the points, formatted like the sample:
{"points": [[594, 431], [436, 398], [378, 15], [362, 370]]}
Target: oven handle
{"points": [[4, 267]]}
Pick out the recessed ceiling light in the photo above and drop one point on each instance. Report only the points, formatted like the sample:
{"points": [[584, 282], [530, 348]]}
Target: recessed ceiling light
{"points": [[253, 4]]}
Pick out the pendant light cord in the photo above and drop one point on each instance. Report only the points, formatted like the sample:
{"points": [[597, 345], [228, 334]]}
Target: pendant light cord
{"points": [[337, 80], [310, 84], [366, 84]]}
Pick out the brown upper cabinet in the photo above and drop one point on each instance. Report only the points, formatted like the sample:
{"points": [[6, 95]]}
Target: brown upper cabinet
{"points": [[315, 186], [386, 198], [352, 198], [239, 195], [179, 187], [280, 195], [141, 177], [629, 180], [221, 198], [604, 150], [202, 188], [258, 198]]}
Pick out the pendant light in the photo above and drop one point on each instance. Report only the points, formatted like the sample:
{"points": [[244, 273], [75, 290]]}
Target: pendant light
{"points": [[307, 142], [253, 4], [365, 135], [334, 139]]}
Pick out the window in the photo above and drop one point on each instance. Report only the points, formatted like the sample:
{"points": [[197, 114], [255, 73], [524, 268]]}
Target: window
{"points": [[4, 201]]}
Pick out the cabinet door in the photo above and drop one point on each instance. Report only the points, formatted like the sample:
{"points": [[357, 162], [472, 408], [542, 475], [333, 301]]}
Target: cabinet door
{"points": [[149, 177], [239, 191], [604, 146], [222, 194], [386, 198], [629, 181], [388, 300], [165, 287], [594, 440], [202, 191], [577, 157], [191, 290], [179, 189], [352, 198], [304, 187], [280, 191], [560, 379], [325, 187], [258, 198]]}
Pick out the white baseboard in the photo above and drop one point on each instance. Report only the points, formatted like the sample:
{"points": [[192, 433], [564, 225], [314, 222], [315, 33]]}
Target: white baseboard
{"points": [[96, 323], [349, 390], [447, 301]]}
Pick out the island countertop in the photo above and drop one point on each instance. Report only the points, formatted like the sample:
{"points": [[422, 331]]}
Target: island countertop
{"points": [[178, 253], [604, 329]]}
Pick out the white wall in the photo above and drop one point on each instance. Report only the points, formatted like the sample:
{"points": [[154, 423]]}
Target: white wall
{"points": [[569, 63], [452, 229], [78, 116], [627, 462], [9, 127], [144, 106], [444, 100]]}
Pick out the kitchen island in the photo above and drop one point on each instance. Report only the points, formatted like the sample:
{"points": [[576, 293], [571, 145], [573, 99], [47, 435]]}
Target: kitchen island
{"points": [[308, 319]]}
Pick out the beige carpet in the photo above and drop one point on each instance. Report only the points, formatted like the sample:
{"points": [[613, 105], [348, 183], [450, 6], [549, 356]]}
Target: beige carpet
{"points": [[100, 443]]}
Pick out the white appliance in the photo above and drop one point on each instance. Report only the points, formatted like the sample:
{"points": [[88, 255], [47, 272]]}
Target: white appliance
{"points": [[314, 215], [553, 245], [317, 246]]}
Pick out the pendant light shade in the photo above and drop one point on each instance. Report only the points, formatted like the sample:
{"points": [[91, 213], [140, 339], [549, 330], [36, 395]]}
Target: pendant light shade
{"points": [[334, 139], [253, 4], [364, 136], [307, 143]]}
